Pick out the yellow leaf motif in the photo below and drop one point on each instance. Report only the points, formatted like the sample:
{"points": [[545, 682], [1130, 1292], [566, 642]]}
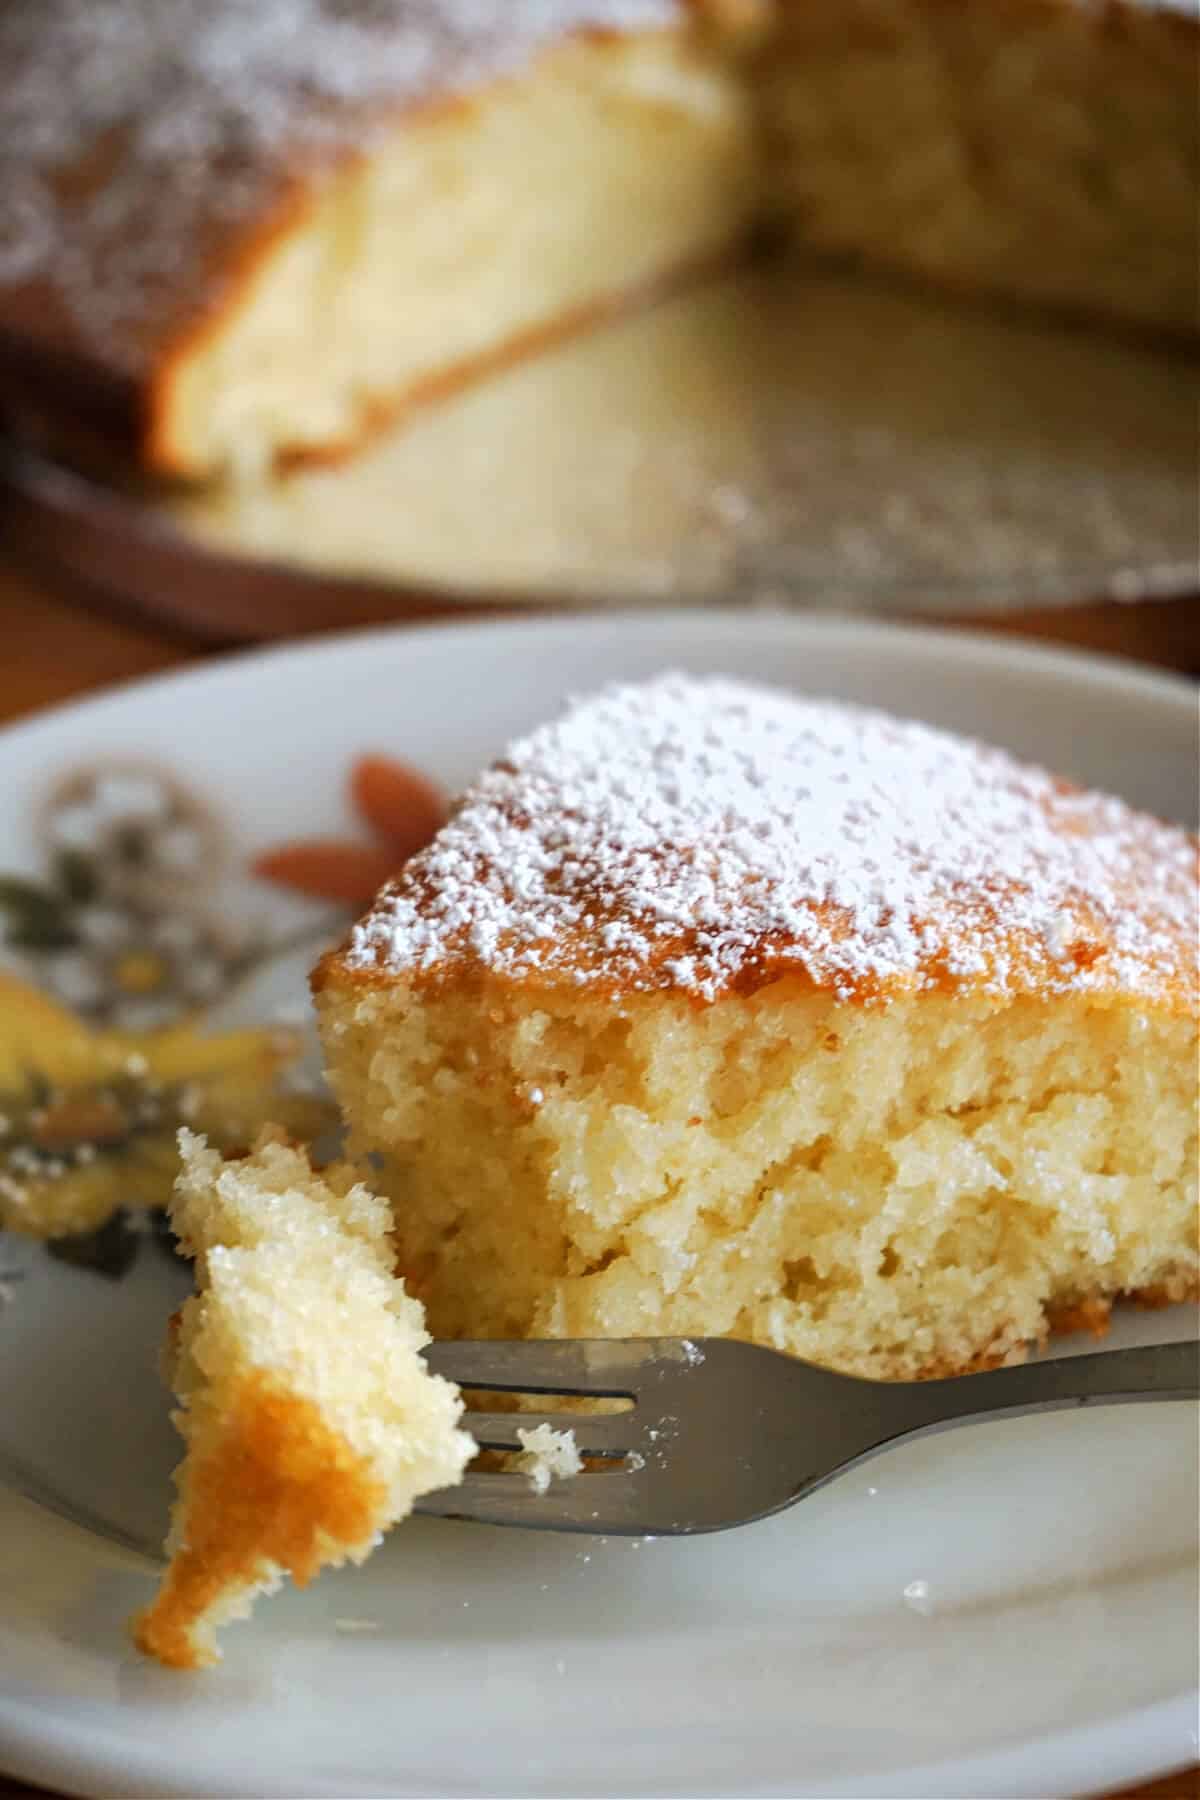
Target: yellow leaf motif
{"points": [[88, 1118]]}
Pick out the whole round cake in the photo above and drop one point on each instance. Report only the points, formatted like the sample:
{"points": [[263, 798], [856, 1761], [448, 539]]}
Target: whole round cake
{"points": [[232, 233]]}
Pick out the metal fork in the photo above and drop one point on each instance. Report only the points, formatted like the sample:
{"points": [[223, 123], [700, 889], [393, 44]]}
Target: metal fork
{"points": [[718, 1433]]}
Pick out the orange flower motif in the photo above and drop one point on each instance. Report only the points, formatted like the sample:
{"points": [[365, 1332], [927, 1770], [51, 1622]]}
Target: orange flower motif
{"points": [[404, 810]]}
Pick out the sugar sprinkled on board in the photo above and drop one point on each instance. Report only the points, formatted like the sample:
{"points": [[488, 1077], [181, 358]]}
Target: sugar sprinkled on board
{"points": [[199, 111], [697, 834]]}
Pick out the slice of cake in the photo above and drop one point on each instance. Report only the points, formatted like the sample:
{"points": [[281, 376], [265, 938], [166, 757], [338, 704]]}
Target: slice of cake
{"points": [[311, 1423], [718, 1011]]}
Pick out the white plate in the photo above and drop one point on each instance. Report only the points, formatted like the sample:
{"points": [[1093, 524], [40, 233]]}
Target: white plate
{"points": [[1055, 1649]]}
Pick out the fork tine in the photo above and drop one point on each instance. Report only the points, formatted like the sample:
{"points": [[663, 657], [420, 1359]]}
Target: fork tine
{"points": [[598, 1503], [608, 1368], [606, 1434], [726, 1432]]}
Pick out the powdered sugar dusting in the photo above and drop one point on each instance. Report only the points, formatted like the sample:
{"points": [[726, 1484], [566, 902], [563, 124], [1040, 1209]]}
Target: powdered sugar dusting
{"points": [[188, 114], [703, 834]]}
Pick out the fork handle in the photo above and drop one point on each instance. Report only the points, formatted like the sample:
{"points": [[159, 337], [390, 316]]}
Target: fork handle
{"points": [[1157, 1372]]}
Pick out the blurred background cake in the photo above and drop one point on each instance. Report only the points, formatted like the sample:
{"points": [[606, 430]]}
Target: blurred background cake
{"points": [[232, 233]]}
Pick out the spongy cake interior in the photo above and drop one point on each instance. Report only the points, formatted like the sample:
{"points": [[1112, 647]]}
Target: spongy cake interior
{"points": [[895, 1191], [310, 1421], [477, 226]]}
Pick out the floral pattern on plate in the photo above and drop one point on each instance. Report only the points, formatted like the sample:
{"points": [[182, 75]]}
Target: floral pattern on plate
{"points": [[118, 951]]}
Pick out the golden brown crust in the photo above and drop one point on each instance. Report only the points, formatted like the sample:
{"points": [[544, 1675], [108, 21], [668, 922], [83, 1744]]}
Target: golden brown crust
{"points": [[279, 1487], [1051, 890], [335, 972], [1089, 1312]]}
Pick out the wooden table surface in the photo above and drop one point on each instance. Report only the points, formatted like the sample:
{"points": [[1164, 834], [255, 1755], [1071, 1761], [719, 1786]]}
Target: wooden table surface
{"points": [[56, 646]]}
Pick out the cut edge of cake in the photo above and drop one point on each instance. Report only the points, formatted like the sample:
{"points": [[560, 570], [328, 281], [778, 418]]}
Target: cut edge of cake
{"points": [[647, 173]]}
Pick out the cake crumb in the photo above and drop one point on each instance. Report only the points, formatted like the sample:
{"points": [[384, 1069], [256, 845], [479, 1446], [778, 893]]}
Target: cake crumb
{"points": [[548, 1455], [918, 1598]]}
